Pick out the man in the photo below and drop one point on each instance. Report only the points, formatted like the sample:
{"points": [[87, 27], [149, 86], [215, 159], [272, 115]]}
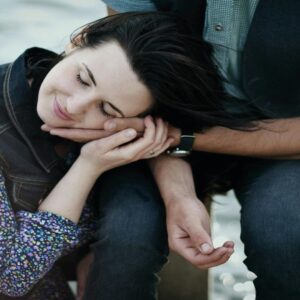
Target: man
{"points": [[256, 46]]}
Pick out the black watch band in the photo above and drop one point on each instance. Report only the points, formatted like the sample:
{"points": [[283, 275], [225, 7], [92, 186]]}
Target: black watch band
{"points": [[185, 146]]}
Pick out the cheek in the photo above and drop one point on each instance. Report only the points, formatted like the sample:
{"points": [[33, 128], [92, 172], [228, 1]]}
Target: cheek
{"points": [[61, 79]]}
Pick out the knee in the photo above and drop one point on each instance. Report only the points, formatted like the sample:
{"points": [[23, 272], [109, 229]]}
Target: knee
{"points": [[133, 228], [133, 239], [134, 218], [271, 247]]}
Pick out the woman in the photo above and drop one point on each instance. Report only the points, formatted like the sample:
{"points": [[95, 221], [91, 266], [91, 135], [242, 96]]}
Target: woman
{"points": [[122, 66]]}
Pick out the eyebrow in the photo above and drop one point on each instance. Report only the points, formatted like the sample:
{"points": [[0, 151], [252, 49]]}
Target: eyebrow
{"points": [[90, 74], [94, 82]]}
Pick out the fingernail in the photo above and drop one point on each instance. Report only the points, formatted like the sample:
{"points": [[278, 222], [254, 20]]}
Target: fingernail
{"points": [[130, 133], [205, 248], [230, 251], [111, 125]]}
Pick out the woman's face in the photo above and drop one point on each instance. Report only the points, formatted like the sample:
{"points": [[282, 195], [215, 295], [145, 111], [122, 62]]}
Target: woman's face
{"points": [[89, 86]]}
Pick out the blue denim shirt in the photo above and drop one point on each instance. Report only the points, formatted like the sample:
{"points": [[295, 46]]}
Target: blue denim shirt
{"points": [[226, 27]]}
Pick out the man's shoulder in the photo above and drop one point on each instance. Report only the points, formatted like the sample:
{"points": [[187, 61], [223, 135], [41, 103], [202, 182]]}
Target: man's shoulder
{"points": [[130, 5], [150, 5]]}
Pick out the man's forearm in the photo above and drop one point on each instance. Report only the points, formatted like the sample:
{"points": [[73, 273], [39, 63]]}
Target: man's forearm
{"points": [[278, 139], [174, 178]]}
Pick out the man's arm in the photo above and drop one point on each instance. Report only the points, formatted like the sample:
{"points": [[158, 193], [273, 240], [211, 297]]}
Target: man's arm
{"points": [[188, 223], [276, 139]]}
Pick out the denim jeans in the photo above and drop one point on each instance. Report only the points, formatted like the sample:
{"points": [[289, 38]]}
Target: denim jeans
{"points": [[131, 245], [269, 193]]}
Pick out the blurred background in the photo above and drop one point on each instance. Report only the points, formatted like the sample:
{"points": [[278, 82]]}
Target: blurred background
{"points": [[48, 24]]}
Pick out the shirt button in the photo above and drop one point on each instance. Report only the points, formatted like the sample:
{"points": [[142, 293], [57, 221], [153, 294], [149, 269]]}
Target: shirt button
{"points": [[219, 27]]}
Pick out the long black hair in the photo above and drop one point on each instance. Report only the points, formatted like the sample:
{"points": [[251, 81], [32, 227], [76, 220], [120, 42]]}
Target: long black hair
{"points": [[174, 64]]}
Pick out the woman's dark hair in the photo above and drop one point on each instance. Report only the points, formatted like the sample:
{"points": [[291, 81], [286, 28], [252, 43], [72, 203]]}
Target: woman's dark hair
{"points": [[174, 64], [177, 67]]}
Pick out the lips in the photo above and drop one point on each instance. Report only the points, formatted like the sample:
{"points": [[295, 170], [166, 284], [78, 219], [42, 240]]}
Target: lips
{"points": [[60, 112]]}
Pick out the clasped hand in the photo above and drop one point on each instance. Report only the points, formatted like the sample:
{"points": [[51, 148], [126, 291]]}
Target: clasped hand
{"points": [[105, 150]]}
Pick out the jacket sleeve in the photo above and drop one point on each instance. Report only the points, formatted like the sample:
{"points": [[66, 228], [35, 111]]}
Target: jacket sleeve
{"points": [[30, 243]]}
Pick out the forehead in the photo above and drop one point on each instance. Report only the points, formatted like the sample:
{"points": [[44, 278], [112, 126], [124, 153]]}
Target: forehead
{"points": [[116, 81]]}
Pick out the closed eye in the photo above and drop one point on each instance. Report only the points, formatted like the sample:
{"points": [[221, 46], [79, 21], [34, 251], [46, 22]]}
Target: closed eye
{"points": [[102, 109], [82, 82]]}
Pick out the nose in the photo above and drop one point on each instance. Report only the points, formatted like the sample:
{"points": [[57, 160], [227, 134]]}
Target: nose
{"points": [[77, 105]]}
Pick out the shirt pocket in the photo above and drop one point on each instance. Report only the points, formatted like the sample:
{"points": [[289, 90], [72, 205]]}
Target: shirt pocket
{"points": [[27, 195]]}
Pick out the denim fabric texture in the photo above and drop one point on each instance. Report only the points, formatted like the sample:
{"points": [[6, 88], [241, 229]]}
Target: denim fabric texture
{"points": [[269, 194], [268, 190], [131, 245]]}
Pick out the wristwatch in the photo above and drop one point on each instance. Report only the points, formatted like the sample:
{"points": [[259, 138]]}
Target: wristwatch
{"points": [[185, 146]]}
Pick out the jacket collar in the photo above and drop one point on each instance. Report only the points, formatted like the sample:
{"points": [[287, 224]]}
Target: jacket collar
{"points": [[21, 108]]}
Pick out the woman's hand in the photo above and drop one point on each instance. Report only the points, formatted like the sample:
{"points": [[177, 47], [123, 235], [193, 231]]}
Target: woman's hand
{"points": [[77, 134], [111, 126], [120, 149]]}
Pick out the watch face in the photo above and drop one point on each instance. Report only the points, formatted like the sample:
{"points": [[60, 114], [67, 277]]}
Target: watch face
{"points": [[179, 153]]}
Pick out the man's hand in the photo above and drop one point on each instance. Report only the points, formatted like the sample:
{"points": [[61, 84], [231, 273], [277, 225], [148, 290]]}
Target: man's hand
{"points": [[188, 222], [118, 124], [188, 228]]}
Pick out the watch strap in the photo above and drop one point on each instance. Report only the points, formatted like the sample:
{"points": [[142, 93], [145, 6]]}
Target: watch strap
{"points": [[187, 139], [185, 146]]}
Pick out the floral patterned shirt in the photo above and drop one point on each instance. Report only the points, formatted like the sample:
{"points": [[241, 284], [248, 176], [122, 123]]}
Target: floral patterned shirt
{"points": [[30, 243]]}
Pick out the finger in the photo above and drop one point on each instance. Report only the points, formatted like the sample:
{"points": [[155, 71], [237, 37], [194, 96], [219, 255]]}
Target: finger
{"points": [[175, 133], [218, 257], [165, 146], [136, 149], [160, 136], [77, 134], [229, 244], [187, 250], [161, 141], [200, 238], [118, 124], [223, 259], [166, 141], [150, 131], [45, 127], [158, 152], [115, 140]]}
